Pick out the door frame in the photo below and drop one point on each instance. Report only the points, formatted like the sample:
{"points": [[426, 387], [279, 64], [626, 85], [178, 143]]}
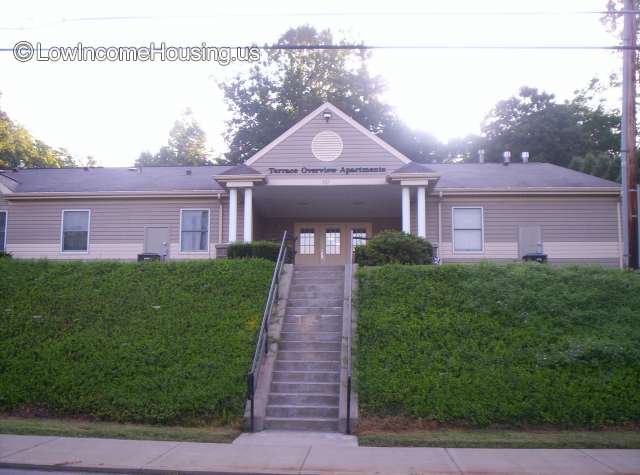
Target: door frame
{"points": [[319, 257]]}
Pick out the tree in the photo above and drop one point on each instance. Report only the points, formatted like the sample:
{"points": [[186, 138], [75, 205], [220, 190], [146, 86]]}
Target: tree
{"points": [[551, 132], [186, 146], [287, 84], [18, 148]]}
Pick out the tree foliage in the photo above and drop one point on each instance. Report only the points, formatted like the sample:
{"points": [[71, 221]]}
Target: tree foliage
{"points": [[187, 145], [18, 148], [287, 84], [553, 132]]}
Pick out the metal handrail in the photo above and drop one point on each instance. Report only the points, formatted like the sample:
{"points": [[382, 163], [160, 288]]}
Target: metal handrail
{"points": [[262, 344], [348, 296]]}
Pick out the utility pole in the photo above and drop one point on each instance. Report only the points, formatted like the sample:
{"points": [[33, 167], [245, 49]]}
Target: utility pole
{"points": [[628, 160]]}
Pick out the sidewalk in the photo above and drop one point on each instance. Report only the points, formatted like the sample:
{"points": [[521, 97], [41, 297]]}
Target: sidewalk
{"points": [[130, 456]]}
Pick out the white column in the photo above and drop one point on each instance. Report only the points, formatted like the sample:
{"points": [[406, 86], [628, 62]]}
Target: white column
{"points": [[406, 209], [233, 215], [248, 215], [422, 212]]}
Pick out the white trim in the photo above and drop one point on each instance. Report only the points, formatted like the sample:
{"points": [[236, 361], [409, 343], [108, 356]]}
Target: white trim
{"points": [[62, 251], [4, 189], [208, 210], [304, 121], [453, 230], [6, 228]]}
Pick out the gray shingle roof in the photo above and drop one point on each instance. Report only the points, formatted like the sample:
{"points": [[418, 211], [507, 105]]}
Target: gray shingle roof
{"points": [[164, 179], [241, 169], [515, 175], [116, 179]]}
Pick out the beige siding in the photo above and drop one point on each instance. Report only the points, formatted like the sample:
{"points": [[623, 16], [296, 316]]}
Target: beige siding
{"points": [[359, 150], [117, 226], [583, 228]]}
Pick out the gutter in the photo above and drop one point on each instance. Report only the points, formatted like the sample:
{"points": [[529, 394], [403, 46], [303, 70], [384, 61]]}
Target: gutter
{"points": [[113, 194], [613, 191]]}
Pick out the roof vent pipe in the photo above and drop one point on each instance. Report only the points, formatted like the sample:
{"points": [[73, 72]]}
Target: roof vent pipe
{"points": [[481, 155], [506, 157], [525, 157]]}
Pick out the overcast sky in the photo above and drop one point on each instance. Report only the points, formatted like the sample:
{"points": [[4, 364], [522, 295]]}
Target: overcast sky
{"points": [[113, 111]]}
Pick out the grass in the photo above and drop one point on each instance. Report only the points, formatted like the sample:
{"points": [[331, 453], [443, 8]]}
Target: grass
{"points": [[80, 428], [507, 439], [159, 343], [516, 345]]}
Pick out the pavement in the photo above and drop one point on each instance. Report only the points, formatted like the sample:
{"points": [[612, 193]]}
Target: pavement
{"points": [[311, 455]]}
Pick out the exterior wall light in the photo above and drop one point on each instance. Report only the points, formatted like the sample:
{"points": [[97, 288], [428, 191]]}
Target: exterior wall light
{"points": [[327, 116]]}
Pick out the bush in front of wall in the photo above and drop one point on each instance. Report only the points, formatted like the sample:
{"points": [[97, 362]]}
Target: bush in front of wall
{"points": [[394, 247], [257, 249]]}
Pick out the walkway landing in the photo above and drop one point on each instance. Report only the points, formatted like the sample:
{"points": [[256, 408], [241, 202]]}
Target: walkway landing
{"points": [[288, 438]]}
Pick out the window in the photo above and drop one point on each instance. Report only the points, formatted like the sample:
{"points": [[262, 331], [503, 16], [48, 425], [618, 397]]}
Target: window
{"points": [[75, 230], [194, 230], [307, 241], [359, 237], [332, 241], [467, 230], [3, 230]]}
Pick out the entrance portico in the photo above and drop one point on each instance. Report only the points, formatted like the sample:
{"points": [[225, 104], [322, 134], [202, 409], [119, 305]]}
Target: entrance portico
{"points": [[326, 181]]}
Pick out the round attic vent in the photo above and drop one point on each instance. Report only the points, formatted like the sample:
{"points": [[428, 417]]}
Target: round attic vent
{"points": [[326, 146]]}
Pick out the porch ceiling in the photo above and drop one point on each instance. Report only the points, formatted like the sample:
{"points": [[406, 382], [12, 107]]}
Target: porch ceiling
{"points": [[375, 201]]}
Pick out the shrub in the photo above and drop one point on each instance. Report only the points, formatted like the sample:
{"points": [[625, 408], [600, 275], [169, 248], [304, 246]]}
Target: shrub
{"points": [[5, 255], [156, 343], [394, 247], [256, 249], [518, 344]]}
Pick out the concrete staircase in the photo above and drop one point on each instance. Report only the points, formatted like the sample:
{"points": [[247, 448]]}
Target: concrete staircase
{"points": [[305, 387]]}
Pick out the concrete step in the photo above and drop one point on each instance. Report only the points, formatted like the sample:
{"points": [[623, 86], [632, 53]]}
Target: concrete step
{"points": [[306, 335], [337, 310], [309, 424], [316, 294], [308, 355], [308, 399], [323, 412], [306, 376], [315, 279], [309, 345], [313, 319], [315, 303], [295, 326], [316, 388], [307, 366], [337, 273], [316, 287], [318, 267]]}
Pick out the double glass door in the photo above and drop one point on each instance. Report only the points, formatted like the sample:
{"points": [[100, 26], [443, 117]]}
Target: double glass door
{"points": [[328, 243]]}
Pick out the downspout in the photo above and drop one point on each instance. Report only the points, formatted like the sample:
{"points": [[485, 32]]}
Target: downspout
{"points": [[220, 211], [440, 227], [620, 245]]}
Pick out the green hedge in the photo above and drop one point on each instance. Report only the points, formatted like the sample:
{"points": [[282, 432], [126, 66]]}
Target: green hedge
{"points": [[150, 342], [257, 249], [511, 344], [394, 247]]}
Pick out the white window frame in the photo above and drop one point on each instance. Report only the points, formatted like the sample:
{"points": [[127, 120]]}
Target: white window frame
{"points": [[62, 232], [208, 231], [453, 229], [6, 228]]}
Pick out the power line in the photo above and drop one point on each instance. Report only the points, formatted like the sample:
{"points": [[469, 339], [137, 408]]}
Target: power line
{"points": [[63, 21], [363, 47]]}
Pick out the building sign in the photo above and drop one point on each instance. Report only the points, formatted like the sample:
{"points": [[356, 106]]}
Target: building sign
{"points": [[326, 170]]}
